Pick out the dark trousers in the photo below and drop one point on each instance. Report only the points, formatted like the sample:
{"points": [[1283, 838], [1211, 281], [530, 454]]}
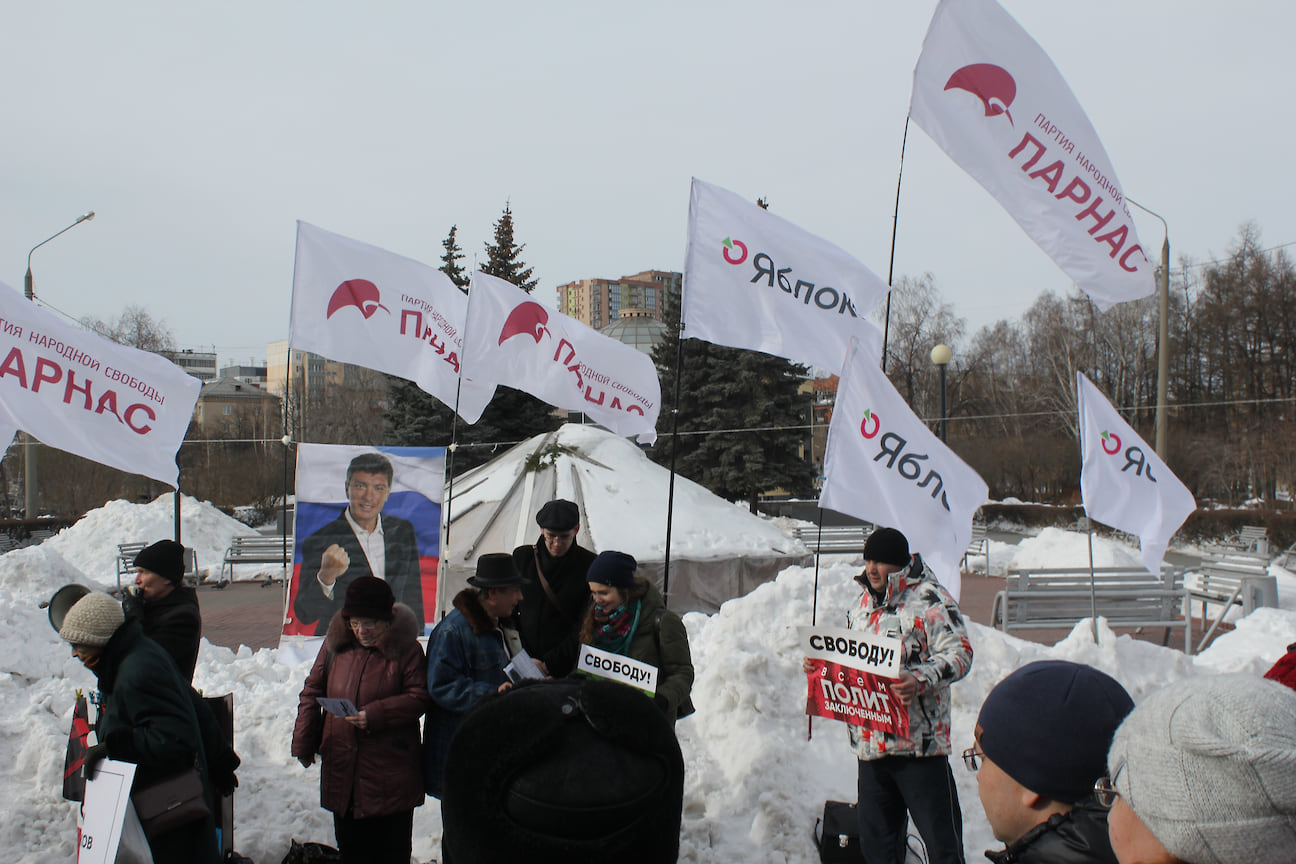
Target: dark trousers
{"points": [[893, 789], [380, 839]]}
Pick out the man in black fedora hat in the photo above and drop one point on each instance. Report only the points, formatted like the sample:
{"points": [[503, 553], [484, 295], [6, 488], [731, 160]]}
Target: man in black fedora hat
{"points": [[556, 593], [466, 656]]}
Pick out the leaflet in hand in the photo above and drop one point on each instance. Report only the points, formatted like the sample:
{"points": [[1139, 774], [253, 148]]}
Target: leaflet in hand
{"points": [[522, 668], [337, 707]]}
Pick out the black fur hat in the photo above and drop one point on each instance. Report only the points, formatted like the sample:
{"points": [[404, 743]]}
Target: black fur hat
{"points": [[577, 771]]}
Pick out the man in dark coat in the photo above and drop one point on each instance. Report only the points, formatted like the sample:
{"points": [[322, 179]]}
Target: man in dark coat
{"points": [[466, 656], [1041, 743], [360, 542], [555, 593], [167, 609], [147, 718]]}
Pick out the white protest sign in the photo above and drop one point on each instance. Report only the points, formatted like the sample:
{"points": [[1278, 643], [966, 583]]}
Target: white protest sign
{"points": [[855, 649], [103, 812], [616, 667]]}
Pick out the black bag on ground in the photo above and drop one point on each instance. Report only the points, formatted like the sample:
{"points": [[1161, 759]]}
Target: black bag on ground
{"points": [[311, 853], [837, 833]]}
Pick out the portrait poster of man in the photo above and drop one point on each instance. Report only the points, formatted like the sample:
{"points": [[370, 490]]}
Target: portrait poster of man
{"points": [[361, 509]]}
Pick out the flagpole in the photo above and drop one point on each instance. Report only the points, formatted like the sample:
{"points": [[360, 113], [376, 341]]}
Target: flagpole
{"points": [[670, 495], [1093, 587], [895, 222]]}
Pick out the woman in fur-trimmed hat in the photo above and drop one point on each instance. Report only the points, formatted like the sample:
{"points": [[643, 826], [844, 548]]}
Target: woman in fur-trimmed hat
{"points": [[369, 772]]}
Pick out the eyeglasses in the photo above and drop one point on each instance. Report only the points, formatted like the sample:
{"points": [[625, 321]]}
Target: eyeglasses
{"points": [[1105, 789], [972, 758], [1105, 792], [366, 623]]}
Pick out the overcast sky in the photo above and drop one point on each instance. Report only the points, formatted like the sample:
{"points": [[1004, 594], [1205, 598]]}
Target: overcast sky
{"points": [[200, 131]]}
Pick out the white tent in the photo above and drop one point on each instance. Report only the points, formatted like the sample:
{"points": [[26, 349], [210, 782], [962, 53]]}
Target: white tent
{"points": [[622, 496]]}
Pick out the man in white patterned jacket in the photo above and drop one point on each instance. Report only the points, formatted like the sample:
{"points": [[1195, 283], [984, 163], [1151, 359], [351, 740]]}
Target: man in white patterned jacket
{"points": [[910, 776]]}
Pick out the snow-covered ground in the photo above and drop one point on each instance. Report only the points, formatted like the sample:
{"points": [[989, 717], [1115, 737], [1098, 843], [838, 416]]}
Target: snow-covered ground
{"points": [[754, 785]]}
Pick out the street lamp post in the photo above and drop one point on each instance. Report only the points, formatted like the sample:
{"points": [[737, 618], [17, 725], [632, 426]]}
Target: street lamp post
{"points": [[940, 355], [29, 443]]}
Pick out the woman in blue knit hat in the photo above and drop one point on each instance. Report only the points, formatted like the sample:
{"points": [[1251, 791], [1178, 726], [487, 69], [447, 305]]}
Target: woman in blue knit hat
{"points": [[627, 615]]}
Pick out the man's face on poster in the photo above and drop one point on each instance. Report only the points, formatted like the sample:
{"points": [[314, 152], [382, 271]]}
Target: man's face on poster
{"points": [[366, 494]]}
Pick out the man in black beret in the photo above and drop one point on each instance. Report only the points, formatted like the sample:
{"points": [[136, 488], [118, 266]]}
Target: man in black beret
{"points": [[555, 593], [167, 609]]}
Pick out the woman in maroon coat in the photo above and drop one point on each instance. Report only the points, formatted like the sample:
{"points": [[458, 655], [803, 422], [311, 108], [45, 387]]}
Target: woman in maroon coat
{"points": [[370, 771]]}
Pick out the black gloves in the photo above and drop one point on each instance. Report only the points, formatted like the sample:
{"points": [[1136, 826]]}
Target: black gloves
{"points": [[93, 757]]}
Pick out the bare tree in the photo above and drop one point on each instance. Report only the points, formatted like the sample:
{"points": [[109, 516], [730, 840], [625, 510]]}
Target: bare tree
{"points": [[134, 327]]}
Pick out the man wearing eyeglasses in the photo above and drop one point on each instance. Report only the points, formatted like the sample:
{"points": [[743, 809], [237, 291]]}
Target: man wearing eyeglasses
{"points": [[1041, 743], [360, 542]]}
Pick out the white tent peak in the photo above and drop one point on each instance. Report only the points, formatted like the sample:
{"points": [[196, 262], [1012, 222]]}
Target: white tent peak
{"points": [[718, 549]]}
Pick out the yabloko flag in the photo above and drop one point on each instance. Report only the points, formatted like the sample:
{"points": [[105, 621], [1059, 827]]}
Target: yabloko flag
{"points": [[990, 97], [1123, 483], [513, 340], [884, 465], [82, 393], [754, 280], [357, 303]]}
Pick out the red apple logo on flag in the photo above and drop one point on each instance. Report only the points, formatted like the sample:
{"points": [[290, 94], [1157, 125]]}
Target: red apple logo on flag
{"points": [[991, 84], [1109, 437], [529, 318], [864, 424], [729, 244], [360, 293]]}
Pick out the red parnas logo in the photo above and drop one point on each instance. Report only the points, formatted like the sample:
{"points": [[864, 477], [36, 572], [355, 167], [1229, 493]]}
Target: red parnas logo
{"points": [[360, 293], [527, 318], [991, 84]]}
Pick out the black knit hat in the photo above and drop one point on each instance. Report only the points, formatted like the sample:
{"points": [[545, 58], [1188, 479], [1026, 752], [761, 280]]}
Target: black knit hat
{"points": [[165, 558], [369, 597], [887, 546], [612, 568], [496, 570], [575, 771], [1049, 726], [558, 515]]}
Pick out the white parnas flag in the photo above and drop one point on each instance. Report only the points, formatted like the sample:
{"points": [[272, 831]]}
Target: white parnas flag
{"points": [[513, 340], [883, 464], [994, 102], [754, 280], [360, 304], [1123, 483], [79, 392]]}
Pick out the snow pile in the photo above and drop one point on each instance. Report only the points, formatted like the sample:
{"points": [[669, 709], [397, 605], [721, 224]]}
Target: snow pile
{"points": [[91, 544], [754, 785]]}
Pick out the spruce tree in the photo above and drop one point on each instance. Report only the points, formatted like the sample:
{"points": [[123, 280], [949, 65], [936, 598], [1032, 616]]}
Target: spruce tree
{"points": [[725, 389], [512, 415]]}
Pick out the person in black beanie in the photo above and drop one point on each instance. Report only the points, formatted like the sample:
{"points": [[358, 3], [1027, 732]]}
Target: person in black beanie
{"points": [[555, 593], [1041, 744], [904, 767], [165, 607], [575, 771]]}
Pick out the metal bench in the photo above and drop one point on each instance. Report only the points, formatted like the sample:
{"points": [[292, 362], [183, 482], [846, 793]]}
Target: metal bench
{"points": [[978, 545], [1253, 538], [835, 539], [1229, 580], [126, 553], [253, 549], [1043, 598]]}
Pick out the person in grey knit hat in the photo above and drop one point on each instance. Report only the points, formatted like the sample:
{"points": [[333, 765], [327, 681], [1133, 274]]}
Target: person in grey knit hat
{"points": [[1204, 772]]}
